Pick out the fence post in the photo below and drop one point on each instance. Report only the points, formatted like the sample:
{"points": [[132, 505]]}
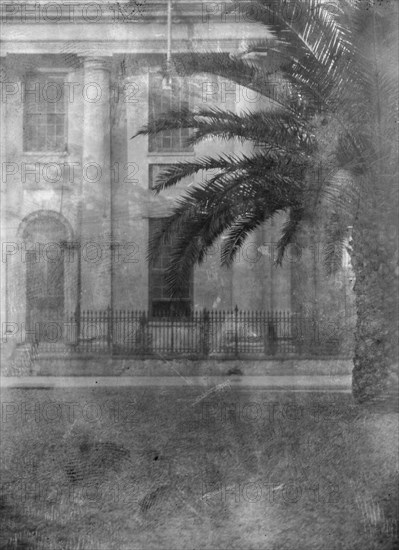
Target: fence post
{"points": [[300, 333], [143, 334], [236, 331], [172, 335], [77, 324], [271, 331], [205, 336], [109, 328]]}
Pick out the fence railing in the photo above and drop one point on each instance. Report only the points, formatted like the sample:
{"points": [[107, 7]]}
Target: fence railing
{"points": [[203, 334]]}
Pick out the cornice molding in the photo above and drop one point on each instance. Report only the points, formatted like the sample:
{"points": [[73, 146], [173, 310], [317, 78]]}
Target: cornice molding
{"points": [[97, 48], [123, 11]]}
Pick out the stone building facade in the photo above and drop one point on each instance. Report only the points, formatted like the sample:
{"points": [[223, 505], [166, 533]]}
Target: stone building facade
{"points": [[79, 79]]}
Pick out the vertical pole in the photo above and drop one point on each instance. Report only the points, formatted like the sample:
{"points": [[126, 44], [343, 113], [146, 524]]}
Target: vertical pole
{"points": [[79, 281], [206, 333], [236, 331], [172, 340], [146, 333], [109, 328], [300, 329], [76, 326], [271, 328]]}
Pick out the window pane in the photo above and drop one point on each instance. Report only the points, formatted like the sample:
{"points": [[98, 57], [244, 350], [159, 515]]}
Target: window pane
{"points": [[162, 100], [59, 144], [44, 113], [166, 142]]}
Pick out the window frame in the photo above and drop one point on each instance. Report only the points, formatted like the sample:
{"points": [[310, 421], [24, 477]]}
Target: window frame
{"points": [[154, 146], [153, 271], [43, 77]]}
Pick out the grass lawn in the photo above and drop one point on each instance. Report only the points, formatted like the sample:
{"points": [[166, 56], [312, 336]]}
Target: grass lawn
{"points": [[178, 468]]}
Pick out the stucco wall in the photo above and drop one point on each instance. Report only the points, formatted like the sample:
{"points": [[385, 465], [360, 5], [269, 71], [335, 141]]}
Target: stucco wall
{"points": [[253, 282]]}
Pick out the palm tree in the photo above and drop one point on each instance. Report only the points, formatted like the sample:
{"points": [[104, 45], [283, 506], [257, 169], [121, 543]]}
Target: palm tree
{"points": [[339, 64]]}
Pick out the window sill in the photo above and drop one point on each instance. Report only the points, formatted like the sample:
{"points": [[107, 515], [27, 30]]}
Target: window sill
{"points": [[45, 153], [56, 187]]}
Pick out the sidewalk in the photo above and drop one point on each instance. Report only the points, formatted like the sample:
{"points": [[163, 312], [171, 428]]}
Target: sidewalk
{"points": [[275, 383]]}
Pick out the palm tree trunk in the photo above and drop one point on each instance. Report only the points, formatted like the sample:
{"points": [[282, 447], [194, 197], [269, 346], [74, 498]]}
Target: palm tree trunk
{"points": [[376, 292]]}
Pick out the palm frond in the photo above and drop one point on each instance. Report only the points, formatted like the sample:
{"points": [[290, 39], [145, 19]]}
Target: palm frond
{"points": [[340, 62], [336, 232], [257, 166], [263, 128], [242, 72], [242, 227]]}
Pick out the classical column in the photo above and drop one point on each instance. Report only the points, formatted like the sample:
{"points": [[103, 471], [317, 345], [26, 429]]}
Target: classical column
{"points": [[96, 186], [3, 217]]}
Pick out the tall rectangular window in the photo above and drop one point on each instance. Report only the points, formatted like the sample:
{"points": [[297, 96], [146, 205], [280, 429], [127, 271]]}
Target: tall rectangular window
{"points": [[161, 99], [161, 302], [45, 113]]}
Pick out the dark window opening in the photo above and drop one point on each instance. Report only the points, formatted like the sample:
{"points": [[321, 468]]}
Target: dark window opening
{"points": [[161, 302]]}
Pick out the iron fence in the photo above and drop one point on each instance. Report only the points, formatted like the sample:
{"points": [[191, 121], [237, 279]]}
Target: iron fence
{"points": [[231, 334]]}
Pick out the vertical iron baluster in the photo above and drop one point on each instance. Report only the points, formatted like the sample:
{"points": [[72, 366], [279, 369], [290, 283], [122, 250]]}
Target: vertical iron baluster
{"points": [[206, 332], [172, 333], [85, 334], [84, 331], [108, 322], [137, 332], [115, 313], [224, 326], [236, 331], [80, 333], [99, 333], [132, 331], [120, 331], [123, 331], [129, 327], [132, 347], [299, 329], [90, 341], [223, 339], [101, 340], [119, 337], [242, 330], [148, 333], [101, 319]]}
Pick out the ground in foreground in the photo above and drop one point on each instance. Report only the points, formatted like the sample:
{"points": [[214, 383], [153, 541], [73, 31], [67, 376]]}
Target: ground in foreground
{"points": [[185, 468]]}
